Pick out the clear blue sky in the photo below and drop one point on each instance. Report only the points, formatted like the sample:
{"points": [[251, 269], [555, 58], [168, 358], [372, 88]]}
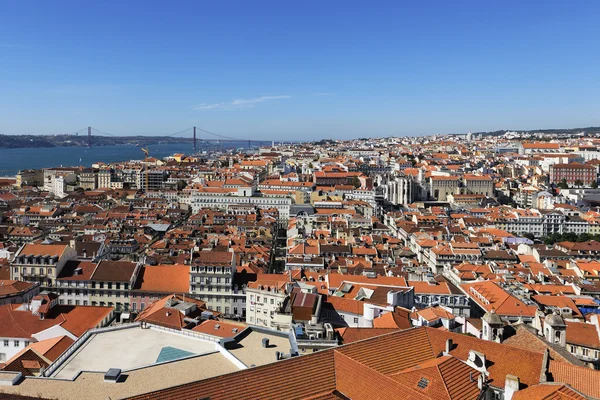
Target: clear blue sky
{"points": [[298, 69]]}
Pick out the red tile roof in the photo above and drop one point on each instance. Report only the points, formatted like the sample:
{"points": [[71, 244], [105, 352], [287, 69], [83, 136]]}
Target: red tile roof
{"points": [[385, 367], [164, 279], [219, 328]]}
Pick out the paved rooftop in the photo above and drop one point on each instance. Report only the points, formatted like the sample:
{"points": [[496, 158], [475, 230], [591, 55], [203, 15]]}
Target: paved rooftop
{"points": [[91, 385], [130, 348], [250, 351], [135, 347]]}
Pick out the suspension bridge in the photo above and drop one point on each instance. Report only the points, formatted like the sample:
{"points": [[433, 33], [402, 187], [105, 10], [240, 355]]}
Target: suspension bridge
{"points": [[194, 134]]}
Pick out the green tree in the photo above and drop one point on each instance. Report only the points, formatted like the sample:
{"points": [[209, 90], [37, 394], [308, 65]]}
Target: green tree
{"points": [[579, 183], [595, 184], [356, 182], [563, 184]]}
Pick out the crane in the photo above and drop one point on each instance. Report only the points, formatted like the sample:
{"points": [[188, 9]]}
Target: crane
{"points": [[146, 154]]}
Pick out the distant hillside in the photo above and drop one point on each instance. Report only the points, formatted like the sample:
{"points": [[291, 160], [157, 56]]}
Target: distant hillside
{"points": [[41, 141], [589, 130]]}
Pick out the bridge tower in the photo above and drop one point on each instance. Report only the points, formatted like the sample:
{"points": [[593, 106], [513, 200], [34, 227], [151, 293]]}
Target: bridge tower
{"points": [[89, 137], [194, 140]]}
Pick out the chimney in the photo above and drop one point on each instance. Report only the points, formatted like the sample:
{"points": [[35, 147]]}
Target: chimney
{"points": [[511, 386], [448, 347]]}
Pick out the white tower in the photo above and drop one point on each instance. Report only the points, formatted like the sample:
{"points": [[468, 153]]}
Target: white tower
{"points": [[493, 327], [555, 329]]}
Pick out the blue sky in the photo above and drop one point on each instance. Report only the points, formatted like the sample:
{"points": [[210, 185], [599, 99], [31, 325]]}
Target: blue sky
{"points": [[298, 70]]}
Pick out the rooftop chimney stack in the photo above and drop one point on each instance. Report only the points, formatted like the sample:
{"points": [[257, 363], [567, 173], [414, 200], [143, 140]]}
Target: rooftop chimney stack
{"points": [[511, 386], [448, 347]]}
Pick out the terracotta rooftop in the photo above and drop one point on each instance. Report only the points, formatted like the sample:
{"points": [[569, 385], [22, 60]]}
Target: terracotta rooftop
{"points": [[12, 287], [114, 271], [219, 328], [164, 279], [43, 250], [218, 258], [392, 364]]}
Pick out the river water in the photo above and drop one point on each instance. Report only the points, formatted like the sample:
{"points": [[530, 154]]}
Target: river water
{"points": [[13, 160]]}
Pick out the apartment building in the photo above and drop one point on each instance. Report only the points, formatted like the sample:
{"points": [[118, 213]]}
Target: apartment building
{"points": [[105, 283], [583, 341], [222, 200], [479, 184], [211, 279], [88, 179], [12, 292], [41, 263], [267, 300], [111, 283], [573, 174], [441, 186]]}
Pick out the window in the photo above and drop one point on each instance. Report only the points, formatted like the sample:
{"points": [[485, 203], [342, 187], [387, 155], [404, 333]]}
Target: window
{"points": [[16, 343], [356, 320], [2, 356], [218, 308], [6, 343]]}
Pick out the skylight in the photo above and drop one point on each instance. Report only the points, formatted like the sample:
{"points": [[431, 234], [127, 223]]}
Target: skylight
{"points": [[423, 382]]}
